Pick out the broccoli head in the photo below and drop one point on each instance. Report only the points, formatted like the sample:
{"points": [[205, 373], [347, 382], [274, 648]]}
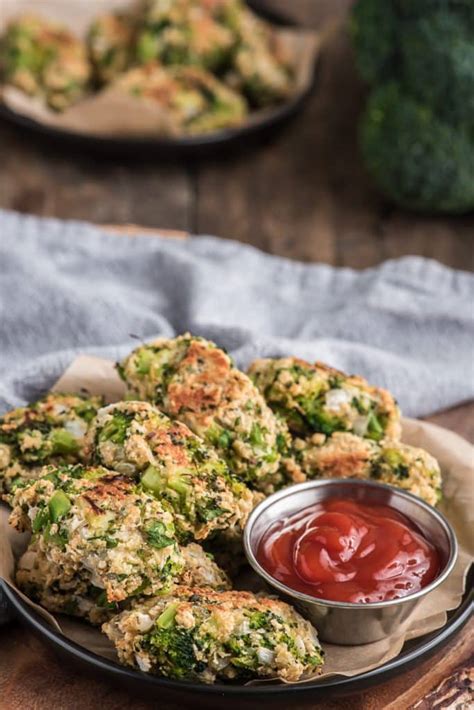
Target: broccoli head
{"points": [[417, 159], [417, 133], [174, 648], [437, 65], [409, 9], [374, 31]]}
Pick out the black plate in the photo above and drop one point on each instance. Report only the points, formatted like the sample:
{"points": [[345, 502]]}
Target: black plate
{"points": [[186, 694], [214, 144]]}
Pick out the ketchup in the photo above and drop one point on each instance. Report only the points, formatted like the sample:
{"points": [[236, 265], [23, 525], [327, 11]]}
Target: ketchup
{"points": [[349, 552]]}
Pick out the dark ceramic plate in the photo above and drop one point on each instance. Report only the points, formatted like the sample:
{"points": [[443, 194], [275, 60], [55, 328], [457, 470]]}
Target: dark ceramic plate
{"points": [[210, 145], [185, 694]]}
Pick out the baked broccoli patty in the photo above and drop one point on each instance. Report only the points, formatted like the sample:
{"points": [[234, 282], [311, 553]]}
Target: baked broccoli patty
{"points": [[110, 42], [261, 68], [50, 431], [345, 455], [318, 398], [197, 634], [200, 569], [172, 463], [227, 549], [184, 32], [194, 381], [63, 589], [45, 60], [99, 522], [195, 100]]}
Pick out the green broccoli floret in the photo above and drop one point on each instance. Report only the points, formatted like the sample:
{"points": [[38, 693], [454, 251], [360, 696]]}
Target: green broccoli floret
{"points": [[437, 65], [417, 133], [409, 9], [415, 158], [260, 620], [374, 31], [174, 648], [116, 429]]}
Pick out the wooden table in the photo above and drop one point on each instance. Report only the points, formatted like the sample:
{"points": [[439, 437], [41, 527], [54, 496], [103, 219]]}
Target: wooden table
{"points": [[304, 195]]}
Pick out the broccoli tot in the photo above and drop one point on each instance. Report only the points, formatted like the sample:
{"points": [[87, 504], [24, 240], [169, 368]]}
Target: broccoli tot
{"points": [[53, 580], [227, 547], [60, 587], [410, 468], [220, 36], [50, 431], [44, 59], [95, 524], [315, 398], [197, 634], [344, 455], [415, 158], [171, 463], [260, 65], [200, 569], [110, 40], [184, 32], [194, 381], [193, 98]]}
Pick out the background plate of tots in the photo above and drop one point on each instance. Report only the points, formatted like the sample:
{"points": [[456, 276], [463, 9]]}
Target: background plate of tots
{"points": [[136, 509], [188, 68]]}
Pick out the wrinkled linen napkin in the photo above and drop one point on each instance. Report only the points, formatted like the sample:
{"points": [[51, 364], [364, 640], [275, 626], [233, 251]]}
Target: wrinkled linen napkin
{"points": [[68, 288]]}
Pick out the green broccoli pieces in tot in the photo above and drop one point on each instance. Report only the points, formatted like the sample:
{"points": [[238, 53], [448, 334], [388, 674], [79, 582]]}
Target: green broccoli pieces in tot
{"points": [[198, 634], [171, 463], [50, 431]]}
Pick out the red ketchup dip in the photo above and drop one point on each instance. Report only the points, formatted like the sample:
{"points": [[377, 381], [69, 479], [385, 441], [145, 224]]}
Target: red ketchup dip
{"points": [[349, 552]]}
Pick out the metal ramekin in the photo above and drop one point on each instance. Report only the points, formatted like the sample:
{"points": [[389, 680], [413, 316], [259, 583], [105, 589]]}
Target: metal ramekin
{"points": [[340, 622]]}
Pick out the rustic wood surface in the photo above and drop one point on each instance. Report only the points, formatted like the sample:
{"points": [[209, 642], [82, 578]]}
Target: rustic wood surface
{"points": [[304, 195]]}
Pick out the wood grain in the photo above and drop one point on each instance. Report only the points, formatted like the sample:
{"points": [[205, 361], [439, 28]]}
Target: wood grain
{"points": [[36, 177], [305, 194]]}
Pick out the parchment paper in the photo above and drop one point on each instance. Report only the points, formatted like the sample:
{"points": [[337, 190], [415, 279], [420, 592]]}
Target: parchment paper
{"points": [[456, 457], [111, 113]]}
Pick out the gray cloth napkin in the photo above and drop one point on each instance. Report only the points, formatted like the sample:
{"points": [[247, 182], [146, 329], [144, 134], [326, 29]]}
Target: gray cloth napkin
{"points": [[67, 288]]}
